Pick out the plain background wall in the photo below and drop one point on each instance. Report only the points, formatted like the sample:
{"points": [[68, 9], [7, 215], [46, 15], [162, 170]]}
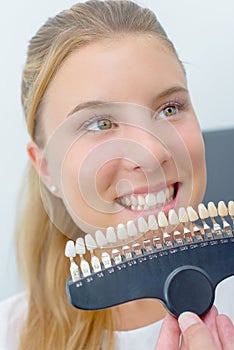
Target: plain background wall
{"points": [[202, 32]]}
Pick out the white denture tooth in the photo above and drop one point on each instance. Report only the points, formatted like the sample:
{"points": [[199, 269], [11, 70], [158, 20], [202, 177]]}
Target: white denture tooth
{"points": [[150, 199], [139, 207], [183, 216], [141, 200], [110, 235], [142, 225], [173, 218], [80, 246], [100, 239], [121, 232], [222, 209], [131, 229], [192, 214], [152, 223], [133, 207], [146, 207], [70, 250], [202, 211], [162, 220], [212, 209], [90, 242], [160, 197], [231, 208]]}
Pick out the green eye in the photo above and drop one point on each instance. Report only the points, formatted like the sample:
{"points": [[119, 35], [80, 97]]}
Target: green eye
{"points": [[169, 111], [104, 124]]}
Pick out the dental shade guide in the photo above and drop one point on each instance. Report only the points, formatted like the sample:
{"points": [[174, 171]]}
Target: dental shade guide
{"points": [[182, 275]]}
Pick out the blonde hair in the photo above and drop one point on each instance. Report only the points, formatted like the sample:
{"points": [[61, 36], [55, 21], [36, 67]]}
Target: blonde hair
{"points": [[52, 323]]}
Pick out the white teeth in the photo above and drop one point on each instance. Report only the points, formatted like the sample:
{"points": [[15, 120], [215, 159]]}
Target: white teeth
{"points": [[90, 242], [161, 197], [100, 238], [70, 250], [173, 218], [110, 235], [212, 210], [162, 219], [222, 209], [142, 225], [121, 232], [192, 214], [152, 223], [150, 199], [202, 211], [80, 246], [131, 229], [141, 200], [183, 216]]}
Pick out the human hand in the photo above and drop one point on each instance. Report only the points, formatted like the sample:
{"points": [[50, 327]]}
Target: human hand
{"points": [[215, 332]]}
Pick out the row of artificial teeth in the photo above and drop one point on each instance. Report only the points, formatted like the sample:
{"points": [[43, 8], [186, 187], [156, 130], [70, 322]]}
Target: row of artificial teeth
{"points": [[148, 201], [185, 216]]}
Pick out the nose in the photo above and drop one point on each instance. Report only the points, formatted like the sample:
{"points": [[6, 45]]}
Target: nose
{"points": [[144, 150]]}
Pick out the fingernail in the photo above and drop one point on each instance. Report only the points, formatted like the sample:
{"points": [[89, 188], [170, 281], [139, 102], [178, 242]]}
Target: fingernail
{"points": [[187, 319]]}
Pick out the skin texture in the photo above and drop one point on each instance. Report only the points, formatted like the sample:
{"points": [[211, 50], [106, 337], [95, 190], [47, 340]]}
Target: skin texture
{"points": [[214, 332], [131, 70]]}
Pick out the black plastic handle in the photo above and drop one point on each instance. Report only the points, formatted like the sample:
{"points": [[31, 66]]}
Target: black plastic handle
{"points": [[184, 278]]}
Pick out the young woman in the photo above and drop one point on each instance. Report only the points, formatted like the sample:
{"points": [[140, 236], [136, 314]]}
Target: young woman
{"points": [[112, 126]]}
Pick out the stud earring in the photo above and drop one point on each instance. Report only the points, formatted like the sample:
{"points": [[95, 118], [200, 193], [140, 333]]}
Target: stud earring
{"points": [[53, 189]]}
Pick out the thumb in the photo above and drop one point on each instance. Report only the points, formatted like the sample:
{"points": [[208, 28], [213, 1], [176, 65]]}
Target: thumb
{"points": [[195, 333]]}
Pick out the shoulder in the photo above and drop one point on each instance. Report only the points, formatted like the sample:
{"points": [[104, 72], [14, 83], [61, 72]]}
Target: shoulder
{"points": [[12, 314]]}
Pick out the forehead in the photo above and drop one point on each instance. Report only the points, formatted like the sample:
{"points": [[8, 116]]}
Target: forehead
{"points": [[130, 68]]}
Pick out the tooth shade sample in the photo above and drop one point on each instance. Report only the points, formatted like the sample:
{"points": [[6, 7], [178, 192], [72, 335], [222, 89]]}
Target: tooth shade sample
{"points": [[131, 229], [162, 219], [231, 208], [90, 242], [121, 232], [80, 246], [70, 250], [142, 225], [212, 210], [183, 216], [202, 211], [222, 209], [192, 214], [110, 235], [100, 239], [152, 223], [173, 218]]}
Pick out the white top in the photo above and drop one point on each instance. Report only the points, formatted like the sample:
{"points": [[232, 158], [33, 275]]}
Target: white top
{"points": [[13, 312]]}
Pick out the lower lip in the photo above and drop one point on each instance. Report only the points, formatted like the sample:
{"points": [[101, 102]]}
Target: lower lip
{"points": [[165, 208]]}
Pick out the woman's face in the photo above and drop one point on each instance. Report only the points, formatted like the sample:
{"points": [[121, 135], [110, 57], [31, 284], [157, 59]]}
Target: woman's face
{"points": [[138, 153]]}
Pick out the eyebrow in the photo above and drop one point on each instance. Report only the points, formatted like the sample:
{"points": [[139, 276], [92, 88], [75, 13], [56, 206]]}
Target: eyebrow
{"points": [[93, 103]]}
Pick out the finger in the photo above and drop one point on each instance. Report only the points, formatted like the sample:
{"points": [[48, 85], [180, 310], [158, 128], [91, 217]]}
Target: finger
{"points": [[210, 321], [196, 335], [169, 336], [226, 331]]}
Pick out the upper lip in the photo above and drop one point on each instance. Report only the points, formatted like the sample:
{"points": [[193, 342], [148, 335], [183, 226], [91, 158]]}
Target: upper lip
{"points": [[149, 189]]}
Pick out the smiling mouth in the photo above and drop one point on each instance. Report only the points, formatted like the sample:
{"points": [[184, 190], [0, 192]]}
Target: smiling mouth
{"points": [[148, 201]]}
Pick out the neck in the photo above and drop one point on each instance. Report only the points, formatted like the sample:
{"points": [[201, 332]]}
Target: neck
{"points": [[137, 314]]}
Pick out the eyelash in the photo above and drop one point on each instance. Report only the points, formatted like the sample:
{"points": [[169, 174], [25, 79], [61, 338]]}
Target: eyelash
{"points": [[180, 106]]}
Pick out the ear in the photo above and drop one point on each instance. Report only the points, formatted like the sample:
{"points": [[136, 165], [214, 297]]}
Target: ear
{"points": [[40, 164]]}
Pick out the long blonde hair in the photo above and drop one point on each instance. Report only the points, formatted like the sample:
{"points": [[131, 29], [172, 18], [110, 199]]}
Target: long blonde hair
{"points": [[52, 323]]}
